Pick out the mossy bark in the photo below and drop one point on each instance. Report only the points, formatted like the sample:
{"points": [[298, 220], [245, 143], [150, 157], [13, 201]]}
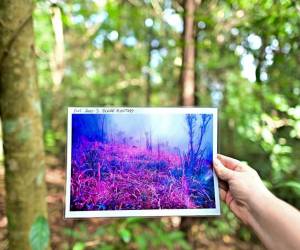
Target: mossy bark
{"points": [[20, 112]]}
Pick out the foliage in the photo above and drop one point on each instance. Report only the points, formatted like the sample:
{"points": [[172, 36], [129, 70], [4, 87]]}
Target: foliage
{"points": [[131, 233], [39, 234], [227, 226]]}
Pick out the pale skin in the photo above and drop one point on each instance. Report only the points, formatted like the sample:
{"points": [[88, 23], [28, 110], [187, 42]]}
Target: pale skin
{"points": [[275, 222]]}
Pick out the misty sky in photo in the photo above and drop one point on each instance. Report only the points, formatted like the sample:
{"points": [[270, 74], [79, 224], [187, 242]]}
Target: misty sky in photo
{"points": [[165, 128]]}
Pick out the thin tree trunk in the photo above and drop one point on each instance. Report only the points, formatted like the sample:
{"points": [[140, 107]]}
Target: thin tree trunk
{"points": [[187, 79], [196, 72], [20, 111], [148, 76], [57, 58], [125, 97]]}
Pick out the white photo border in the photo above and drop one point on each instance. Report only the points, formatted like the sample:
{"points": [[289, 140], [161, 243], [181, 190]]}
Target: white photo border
{"points": [[145, 212]]}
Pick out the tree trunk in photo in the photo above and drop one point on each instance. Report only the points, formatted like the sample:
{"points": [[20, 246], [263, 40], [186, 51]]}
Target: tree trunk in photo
{"points": [[20, 111], [187, 77]]}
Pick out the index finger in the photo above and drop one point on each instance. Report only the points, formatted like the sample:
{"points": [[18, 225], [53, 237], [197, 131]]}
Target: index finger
{"points": [[229, 162]]}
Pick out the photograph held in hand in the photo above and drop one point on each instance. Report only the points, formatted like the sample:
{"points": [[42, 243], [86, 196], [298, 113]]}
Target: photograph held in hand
{"points": [[141, 162]]}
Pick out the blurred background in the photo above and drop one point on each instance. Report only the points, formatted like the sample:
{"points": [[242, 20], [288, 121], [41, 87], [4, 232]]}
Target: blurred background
{"points": [[239, 56]]}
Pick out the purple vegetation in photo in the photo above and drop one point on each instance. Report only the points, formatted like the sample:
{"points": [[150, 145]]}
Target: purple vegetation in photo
{"points": [[124, 162]]}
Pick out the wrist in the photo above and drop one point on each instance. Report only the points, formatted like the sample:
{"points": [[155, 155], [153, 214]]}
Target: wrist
{"points": [[259, 202]]}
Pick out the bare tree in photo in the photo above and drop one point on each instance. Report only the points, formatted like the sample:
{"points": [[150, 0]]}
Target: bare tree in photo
{"points": [[196, 132]]}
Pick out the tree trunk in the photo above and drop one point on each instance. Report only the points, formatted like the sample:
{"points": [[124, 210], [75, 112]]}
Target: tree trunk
{"points": [[20, 112], [196, 72], [187, 78], [57, 58], [148, 76]]}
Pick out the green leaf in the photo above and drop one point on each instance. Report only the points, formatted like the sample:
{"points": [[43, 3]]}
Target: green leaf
{"points": [[142, 241], [125, 235], [135, 220], [267, 136], [184, 245], [100, 231], [176, 235], [106, 247], [79, 246], [295, 186], [39, 234]]}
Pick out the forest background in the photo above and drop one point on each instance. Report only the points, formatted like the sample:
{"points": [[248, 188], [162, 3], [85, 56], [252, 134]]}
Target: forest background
{"points": [[239, 56]]}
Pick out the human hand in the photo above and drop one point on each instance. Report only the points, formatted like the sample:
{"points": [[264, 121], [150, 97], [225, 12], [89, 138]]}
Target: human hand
{"points": [[240, 187]]}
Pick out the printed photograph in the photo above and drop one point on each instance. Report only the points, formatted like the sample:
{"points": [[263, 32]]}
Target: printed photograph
{"points": [[141, 161]]}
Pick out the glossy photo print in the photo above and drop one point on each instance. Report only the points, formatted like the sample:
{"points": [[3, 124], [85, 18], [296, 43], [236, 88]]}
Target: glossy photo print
{"points": [[141, 162]]}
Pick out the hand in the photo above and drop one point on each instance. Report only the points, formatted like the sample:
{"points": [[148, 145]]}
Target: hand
{"points": [[240, 187], [275, 222]]}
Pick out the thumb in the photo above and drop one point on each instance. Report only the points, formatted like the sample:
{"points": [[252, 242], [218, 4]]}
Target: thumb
{"points": [[222, 172]]}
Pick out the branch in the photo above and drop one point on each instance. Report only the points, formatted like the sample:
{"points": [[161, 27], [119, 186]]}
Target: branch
{"points": [[203, 128]]}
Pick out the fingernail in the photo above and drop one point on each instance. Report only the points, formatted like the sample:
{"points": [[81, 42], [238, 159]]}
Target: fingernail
{"points": [[217, 162]]}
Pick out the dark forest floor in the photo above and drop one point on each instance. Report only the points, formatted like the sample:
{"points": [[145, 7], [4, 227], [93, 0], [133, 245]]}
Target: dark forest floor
{"points": [[55, 178]]}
